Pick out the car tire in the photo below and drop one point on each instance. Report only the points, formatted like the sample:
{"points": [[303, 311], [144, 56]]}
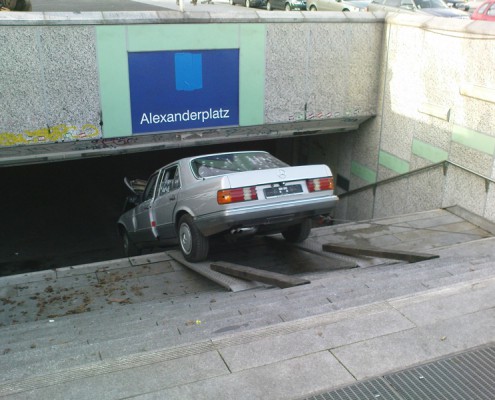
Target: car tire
{"points": [[193, 245], [298, 233], [287, 7], [268, 6], [312, 8], [130, 248]]}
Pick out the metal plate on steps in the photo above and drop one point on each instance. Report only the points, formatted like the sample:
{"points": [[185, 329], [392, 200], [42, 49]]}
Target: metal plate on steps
{"points": [[203, 268]]}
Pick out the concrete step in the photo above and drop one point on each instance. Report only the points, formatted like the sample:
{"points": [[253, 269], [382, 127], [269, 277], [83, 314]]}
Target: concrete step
{"points": [[50, 359], [141, 317], [160, 323]]}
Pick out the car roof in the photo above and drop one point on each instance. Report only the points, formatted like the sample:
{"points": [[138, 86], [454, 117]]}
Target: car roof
{"points": [[476, 12], [188, 159]]}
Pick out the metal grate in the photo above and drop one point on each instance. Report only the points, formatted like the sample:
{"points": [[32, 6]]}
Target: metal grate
{"points": [[466, 376], [375, 389]]}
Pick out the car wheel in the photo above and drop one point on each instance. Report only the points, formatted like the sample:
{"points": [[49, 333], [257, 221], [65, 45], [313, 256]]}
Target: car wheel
{"points": [[268, 6], [130, 248], [193, 245], [287, 7], [312, 8], [298, 233], [248, 4]]}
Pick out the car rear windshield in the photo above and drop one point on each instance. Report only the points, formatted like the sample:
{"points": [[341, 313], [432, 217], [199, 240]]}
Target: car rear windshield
{"points": [[221, 164]]}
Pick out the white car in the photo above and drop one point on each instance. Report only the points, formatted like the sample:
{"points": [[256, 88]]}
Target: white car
{"points": [[336, 5], [239, 193]]}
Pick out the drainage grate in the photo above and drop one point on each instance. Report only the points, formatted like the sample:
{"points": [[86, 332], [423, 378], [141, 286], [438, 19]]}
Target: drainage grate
{"points": [[465, 376], [375, 389], [468, 375]]}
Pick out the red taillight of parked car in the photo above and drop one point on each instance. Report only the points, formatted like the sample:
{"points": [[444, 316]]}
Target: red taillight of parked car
{"points": [[318, 184], [228, 196]]}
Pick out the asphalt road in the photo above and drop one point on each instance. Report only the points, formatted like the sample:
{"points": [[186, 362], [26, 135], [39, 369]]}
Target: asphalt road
{"points": [[129, 5], [92, 5]]}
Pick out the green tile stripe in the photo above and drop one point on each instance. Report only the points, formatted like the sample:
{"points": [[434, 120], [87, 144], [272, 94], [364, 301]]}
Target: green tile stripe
{"points": [[393, 163], [429, 152], [473, 139], [114, 42], [252, 75], [363, 172], [114, 81], [182, 37]]}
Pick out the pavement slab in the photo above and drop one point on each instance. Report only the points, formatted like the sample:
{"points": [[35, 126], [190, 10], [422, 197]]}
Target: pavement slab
{"points": [[276, 348], [134, 381], [283, 380]]}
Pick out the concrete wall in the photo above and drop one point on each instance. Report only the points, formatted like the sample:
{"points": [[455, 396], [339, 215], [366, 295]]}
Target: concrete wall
{"points": [[68, 87], [436, 102], [428, 82]]}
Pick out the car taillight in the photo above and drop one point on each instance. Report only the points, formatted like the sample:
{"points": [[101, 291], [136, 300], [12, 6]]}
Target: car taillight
{"points": [[318, 184], [236, 195]]}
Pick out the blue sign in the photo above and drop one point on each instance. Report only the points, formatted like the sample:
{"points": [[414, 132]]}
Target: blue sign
{"points": [[180, 90]]}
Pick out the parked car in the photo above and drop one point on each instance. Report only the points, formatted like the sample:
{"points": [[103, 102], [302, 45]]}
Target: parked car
{"points": [[336, 5], [435, 8], [287, 5], [485, 12], [16, 5], [459, 4], [249, 3], [471, 6], [232, 194]]}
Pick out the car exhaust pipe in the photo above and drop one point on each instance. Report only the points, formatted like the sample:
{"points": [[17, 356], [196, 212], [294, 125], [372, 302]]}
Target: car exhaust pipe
{"points": [[243, 231]]}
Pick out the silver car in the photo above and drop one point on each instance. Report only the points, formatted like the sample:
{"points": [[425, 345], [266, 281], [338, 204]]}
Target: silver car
{"points": [[233, 194], [287, 5]]}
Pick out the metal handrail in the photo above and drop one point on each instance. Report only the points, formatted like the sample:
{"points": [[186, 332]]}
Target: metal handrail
{"points": [[444, 164]]}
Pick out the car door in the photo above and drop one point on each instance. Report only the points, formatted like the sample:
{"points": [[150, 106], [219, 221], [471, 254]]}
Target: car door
{"points": [[377, 5], [166, 200], [142, 215], [330, 5], [399, 6]]}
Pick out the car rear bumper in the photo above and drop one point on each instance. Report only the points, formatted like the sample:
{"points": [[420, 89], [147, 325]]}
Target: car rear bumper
{"points": [[265, 215]]}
